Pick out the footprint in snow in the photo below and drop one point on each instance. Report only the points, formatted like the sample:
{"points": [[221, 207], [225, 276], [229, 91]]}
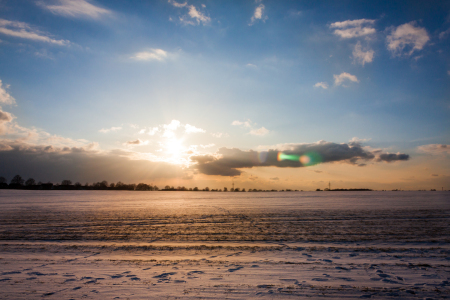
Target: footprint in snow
{"points": [[135, 278], [165, 275], [320, 279], [10, 273], [116, 276], [195, 272], [235, 269]]}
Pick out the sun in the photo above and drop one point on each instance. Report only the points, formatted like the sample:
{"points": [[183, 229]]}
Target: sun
{"points": [[175, 150]]}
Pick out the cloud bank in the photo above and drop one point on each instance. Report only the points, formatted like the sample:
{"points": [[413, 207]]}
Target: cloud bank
{"points": [[227, 162], [49, 163]]}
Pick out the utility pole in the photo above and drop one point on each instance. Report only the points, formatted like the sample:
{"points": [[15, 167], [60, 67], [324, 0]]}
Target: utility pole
{"points": [[329, 185], [233, 185]]}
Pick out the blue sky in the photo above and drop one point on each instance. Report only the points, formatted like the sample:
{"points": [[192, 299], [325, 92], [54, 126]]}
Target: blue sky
{"points": [[111, 76]]}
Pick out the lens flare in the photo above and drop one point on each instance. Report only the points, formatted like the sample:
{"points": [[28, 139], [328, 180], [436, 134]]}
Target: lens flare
{"points": [[262, 156], [311, 159], [283, 156], [307, 159]]}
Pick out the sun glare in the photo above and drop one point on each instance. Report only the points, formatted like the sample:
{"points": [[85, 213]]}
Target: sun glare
{"points": [[174, 150]]}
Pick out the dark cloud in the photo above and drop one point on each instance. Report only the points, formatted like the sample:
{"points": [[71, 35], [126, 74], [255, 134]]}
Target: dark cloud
{"points": [[49, 163], [227, 162], [390, 157]]}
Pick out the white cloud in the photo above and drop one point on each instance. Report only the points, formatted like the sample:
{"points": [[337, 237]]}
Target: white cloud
{"points": [[251, 66], [260, 131], [76, 8], [407, 35], [192, 129], [353, 28], [258, 15], [153, 54], [323, 85], [239, 123], [339, 79], [170, 128], [25, 31], [176, 4], [361, 56], [106, 130], [194, 16], [5, 97], [217, 134]]}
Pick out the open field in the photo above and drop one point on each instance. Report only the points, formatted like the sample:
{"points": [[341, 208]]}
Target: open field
{"points": [[131, 245]]}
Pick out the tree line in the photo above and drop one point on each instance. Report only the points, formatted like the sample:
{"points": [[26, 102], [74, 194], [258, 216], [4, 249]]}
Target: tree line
{"points": [[30, 184]]}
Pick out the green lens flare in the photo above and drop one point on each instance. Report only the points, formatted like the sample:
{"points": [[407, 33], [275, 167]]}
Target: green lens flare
{"points": [[308, 159]]}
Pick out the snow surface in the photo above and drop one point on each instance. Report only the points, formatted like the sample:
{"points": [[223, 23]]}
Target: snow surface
{"points": [[192, 245]]}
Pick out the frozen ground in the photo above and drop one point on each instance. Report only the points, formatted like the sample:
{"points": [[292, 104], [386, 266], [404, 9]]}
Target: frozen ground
{"points": [[168, 245]]}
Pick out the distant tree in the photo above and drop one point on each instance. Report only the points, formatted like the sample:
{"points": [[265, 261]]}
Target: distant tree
{"points": [[2, 180], [243, 190], [30, 182], [104, 184], [78, 185], [167, 187], [196, 189], [112, 185], [225, 189], [17, 180], [207, 189], [236, 189], [66, 182], [190, 189]]}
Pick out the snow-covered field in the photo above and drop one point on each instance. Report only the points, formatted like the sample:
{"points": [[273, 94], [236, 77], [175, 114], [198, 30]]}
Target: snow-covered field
{"points": [[192, 245]]}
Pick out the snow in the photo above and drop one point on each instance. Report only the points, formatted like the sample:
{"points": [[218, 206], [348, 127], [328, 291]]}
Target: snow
{"points": [[191, 245]]}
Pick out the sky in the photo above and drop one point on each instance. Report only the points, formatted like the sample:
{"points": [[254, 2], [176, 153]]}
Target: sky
{"points": [[265, 94]]}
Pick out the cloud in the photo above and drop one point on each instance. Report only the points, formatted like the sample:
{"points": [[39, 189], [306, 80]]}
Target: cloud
{"points": [[84, 164], [353, 28], [227, 162], [339, 79], [249, 124], [25, 31], [274, 178], [137, 142], [361, 56], [260, 131], [5, 116], [176, 4], [239, 123], [444, 34], [390, 157], [436, 149], [407, 36], [192, 129], [106, 130], [323, 85], [258, 14], [217, 134], [152, 54], [5, 97], [76, 8], [195, 16]]}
